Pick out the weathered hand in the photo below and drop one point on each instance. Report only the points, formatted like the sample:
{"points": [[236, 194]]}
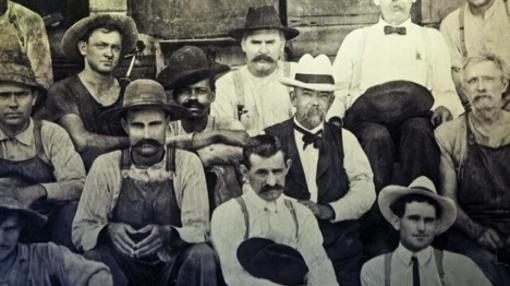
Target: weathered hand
{"points": [[119, 234], [491, 239], [441, 114], [28, 195], [158, 236], [323, 212]]}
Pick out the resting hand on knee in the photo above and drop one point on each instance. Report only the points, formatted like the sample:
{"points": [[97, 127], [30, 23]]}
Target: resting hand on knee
{"points": [[157, 237], [119, 234], [491, 239]]}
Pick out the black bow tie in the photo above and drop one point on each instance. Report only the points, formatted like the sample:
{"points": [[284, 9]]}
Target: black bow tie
{"points": [[309, 138], [394, 30]]}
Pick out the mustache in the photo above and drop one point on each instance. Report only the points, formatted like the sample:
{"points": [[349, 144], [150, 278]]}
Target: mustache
{"points": [[151, 142], [268, 188], [193, 103], [266, 58]]}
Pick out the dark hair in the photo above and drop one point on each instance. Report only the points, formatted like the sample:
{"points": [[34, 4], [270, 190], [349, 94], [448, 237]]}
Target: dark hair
{"points": [[263, 145], [107, 28], [398, 207]]}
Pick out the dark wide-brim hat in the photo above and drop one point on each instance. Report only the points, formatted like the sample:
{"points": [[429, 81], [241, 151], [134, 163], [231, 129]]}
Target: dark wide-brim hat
{"points": [[188, 65], [263, 258], [392, 101], [124, 24], [264, 17], [145, 93], [10, 201]]}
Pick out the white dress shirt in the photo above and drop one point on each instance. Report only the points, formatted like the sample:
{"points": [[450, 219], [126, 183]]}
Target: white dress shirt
{"points": [[459, 270]]}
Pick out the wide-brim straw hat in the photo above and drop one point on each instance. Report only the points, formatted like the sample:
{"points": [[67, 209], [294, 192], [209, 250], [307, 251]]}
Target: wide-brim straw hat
{"points": [[312, 73], [124, 24], [10, 201]]}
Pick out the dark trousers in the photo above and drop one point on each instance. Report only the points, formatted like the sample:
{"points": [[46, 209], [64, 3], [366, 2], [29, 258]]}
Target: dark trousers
{"points": [[195, 265], [346, 255], [57, 229]]}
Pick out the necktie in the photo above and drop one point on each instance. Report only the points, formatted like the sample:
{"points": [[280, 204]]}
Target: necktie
{"points": [[394, 30], [309, 138], [416, 271]]}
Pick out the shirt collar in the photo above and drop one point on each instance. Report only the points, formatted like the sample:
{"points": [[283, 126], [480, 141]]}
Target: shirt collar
{"points": [[260, 203], [26, 137], [407, 23], [405, 255], [313, 131]]}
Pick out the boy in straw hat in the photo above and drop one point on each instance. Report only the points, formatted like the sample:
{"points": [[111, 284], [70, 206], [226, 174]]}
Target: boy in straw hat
{"points": [[252, 94], [40, 263], [419, 214], [144, 211], [330, 173], [99, 42]]}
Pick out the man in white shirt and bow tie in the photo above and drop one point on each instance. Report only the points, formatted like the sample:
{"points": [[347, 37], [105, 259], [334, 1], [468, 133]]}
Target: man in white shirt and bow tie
{"points": [[330, 173]]}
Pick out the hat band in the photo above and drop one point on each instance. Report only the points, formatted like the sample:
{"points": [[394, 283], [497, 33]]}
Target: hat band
{"points": [[315, 78]]}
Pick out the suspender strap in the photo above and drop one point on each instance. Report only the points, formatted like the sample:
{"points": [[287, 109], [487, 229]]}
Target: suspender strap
{"points": [[125, 161], [438, 255], [505, 2], [170, 159], [292, 210], [244, 209], [387, 268], [39, 148], [239, 90], [286, 69], [462, 35]]}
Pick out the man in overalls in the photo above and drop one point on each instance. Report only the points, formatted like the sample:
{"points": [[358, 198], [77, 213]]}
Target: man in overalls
{"points": [[474, 169], [144, 210], [37, 158], [252, 93]]}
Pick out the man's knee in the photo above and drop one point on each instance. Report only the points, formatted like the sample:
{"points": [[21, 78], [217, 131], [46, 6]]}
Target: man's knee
{"points": [[417, 126], [373, 133], [200, 253]]}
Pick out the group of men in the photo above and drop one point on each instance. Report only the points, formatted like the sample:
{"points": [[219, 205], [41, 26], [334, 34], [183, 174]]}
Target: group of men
{"points": [[159, 182]]}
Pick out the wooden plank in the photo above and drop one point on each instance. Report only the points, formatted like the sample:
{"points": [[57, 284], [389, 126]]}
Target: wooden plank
{"points": [[300, 8]]}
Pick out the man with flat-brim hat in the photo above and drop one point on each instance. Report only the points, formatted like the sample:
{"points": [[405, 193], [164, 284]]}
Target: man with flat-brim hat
{"points": [[40, 263], [99, 42], [144, 211], [190, 78], [37, 158], [418, 213], [264, 237], [330, 173], [252, 93]]}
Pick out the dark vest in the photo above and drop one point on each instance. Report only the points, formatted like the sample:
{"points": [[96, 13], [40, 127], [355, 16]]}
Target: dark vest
{"points": [[332, 181]]}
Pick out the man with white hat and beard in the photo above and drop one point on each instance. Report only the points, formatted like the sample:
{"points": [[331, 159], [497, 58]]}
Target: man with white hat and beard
{"points": [[330, 173], [419, 214]]}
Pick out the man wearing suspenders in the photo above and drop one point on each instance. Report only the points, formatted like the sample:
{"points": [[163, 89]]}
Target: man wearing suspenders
{"points": [[252, 93], [144, 211], [419, 214], [264, 237], [478, 27]]}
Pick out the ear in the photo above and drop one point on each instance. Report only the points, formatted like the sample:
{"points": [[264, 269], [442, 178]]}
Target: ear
{"points": [[212, 96], [243, 44], [395, 222], [288, 165], [35, 95], [82, 47], [293, 96], [244, 172]]}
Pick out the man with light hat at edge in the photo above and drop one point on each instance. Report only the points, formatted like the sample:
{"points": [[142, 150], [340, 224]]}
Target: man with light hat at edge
{"points": [[330, 173], [37, 158], [419, 214], [42, 264], [99, 42], [252, 93], [265, 237], [217, 140], [144, 210]]}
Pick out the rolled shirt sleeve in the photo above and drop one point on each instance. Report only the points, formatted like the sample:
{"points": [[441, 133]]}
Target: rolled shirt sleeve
{"points": [[361, 194]]}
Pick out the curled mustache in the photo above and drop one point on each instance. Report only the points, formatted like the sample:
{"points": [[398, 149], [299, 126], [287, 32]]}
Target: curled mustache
{"points": [[268, 188], [150, 142], [193, 103], [266, 58]]}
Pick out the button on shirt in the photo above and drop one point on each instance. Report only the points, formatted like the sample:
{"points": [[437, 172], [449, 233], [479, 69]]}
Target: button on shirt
{"points": [[459, 270], [369, 57], [274, 221]]}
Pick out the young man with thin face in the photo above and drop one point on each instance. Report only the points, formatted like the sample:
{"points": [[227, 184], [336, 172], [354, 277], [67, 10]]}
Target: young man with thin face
{"points": [[99, 42], [419, 214]]}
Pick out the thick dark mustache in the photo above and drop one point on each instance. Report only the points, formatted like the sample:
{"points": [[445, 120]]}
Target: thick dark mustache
{"points": [[193, 104], [147, 142], [268, 188], [260, 58]]}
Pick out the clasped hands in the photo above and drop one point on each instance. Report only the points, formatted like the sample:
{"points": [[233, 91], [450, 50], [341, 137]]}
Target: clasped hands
{"points": [[154, 237]]}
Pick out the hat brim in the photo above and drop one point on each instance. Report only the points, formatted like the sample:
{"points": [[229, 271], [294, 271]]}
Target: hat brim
{"points": [[176, 112], [313, 86], [173, 81], [391, 193], [76, 32], [36, 219], [288, 32]]}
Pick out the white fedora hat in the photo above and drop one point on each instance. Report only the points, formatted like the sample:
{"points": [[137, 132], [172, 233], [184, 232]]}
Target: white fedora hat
{"points": [[421, 186], [312, 73]]}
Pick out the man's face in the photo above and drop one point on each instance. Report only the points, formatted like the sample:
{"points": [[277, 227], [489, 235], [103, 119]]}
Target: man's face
{"points": [[16, 102], [311, 106], [267, 175], [417, 226], [146, 129], [484, 85], [10, 228], [395, 11], [102, 50], [263, 48], [197, 98]]}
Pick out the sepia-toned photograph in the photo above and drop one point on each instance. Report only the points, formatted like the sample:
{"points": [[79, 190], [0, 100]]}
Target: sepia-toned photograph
{"points": [[254, 142]]}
